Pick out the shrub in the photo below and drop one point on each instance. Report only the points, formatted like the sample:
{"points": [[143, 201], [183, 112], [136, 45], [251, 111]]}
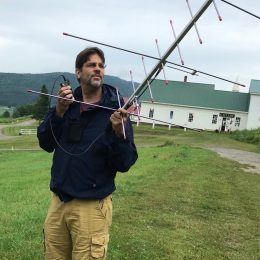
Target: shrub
{"points": [[248, 136]]}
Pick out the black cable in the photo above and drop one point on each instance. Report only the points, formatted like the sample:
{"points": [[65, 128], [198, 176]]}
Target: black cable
{"points": [[74, 154], [241, 9], [53, 86], [66, 82]]}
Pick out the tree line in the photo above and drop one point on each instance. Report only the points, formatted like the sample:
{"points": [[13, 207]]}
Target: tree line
{"points": [[37, 110]]}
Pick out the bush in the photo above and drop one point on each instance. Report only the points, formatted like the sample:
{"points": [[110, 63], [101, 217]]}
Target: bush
{"points": [[248, 136], [6, 114]]}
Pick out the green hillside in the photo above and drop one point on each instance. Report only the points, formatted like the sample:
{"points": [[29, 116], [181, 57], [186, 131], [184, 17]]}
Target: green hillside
{"points": [[13, 86]]}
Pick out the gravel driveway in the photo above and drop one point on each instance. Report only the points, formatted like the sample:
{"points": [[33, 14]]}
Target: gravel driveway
{"points": [[25, 123], [250, 159]]}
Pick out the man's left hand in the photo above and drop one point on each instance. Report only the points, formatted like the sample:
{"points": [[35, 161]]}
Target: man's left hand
{"points": [[116, 119]]}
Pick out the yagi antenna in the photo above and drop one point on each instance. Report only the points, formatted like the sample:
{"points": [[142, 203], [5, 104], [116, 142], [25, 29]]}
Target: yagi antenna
{"points": [[148, 81], [178, 47], [162, 65], [215, 5], [195, 25], [143, 85], [136, 104]]}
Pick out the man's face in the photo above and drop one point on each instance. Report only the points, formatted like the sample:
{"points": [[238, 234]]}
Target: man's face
{"points": [[92, 72]]}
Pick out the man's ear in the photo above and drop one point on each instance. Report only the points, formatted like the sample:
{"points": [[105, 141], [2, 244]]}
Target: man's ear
{"points": [[77, 72]]}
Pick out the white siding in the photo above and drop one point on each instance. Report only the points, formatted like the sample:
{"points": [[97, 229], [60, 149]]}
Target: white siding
{"points": [[253, 121], [202, 117]]}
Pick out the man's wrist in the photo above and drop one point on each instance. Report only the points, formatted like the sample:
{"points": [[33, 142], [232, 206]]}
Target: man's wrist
{"points": [[59, 113]]}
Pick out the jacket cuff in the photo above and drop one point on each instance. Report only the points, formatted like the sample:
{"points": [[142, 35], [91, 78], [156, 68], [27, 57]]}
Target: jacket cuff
{"points": [[120, 139]]}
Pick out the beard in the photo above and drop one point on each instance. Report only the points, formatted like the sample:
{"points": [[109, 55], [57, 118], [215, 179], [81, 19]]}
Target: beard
{"points": [[94, 81]]}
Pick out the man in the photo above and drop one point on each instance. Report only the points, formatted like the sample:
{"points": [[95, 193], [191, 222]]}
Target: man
{"points": [[90, 145]]}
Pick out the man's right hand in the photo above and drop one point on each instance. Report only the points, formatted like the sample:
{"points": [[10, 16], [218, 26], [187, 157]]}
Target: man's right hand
{"points": [[63, 104]]}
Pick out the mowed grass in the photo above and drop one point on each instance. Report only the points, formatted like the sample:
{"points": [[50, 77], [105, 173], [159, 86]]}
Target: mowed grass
{"points": [[24, 200], [177, 202], [146, 136], [26, 142], [186, 203]]}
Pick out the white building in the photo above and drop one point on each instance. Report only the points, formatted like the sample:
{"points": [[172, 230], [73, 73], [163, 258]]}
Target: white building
{"points": [[200, 106]]}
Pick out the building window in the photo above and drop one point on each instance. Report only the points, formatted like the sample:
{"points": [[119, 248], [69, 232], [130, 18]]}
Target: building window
{"points": [[237, 121], [171, 114], [151, 111], [214, 119], [190, 117]]}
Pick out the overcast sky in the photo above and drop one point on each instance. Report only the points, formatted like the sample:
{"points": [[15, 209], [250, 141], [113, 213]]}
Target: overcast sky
{"points": [[31, 39]]}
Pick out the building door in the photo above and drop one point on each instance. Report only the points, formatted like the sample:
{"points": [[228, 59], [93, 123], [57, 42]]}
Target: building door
{"points": [[224, 121]]}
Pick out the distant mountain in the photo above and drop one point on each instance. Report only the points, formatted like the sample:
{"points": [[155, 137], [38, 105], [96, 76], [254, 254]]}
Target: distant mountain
{"points": [[13, 86]]}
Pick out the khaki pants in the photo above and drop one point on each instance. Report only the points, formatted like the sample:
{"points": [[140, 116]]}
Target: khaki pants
{"points": [[77, 229]]}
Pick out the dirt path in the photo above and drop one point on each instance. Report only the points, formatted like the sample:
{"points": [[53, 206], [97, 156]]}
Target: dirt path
{"points": [[25, 123], [250, 160]]}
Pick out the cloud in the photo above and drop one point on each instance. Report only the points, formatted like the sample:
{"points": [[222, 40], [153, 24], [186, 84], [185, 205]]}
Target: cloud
{"points": [[31, 37]]}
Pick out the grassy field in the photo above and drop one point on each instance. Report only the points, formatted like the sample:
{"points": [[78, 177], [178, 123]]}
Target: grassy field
{"points": [[179, 201], [248, 136], [144, 136], [11, 120]]}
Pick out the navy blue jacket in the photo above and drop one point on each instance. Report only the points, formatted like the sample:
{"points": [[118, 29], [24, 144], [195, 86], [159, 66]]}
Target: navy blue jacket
{"points": [[87, 153]]}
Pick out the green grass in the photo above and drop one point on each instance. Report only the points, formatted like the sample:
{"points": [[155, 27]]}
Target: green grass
{"points": [[146, 136], [177, 202], [23, 142], [14, 120], [186, 203], [16, 141], [15, 130], [248, 136], [24, 200]]}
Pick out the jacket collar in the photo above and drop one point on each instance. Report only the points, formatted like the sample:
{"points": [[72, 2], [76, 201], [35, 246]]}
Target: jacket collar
{"points": [[108, 99]]}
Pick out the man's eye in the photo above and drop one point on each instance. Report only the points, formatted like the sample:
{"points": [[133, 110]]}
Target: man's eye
{"points": [[93, 65]]}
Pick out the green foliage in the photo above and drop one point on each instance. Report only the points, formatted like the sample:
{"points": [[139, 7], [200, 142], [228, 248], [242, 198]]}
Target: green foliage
{"points": [[42, 105], [16, 113], [248, 136], [23, 110], [6, 114]]}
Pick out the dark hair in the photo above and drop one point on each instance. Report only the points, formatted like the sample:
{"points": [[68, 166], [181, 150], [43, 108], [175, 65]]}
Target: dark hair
{"points": [[84, 55]]}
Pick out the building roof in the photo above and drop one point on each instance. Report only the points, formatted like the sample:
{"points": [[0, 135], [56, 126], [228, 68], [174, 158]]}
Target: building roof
{"points": [[196, 94], [254, 86]]}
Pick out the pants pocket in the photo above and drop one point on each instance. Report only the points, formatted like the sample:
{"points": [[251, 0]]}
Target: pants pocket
{"points": [[106, 208], [99, 247]]}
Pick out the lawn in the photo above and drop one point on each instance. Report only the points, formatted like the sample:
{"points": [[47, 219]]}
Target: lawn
{"points": [[177, 202], [145, 136]]}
